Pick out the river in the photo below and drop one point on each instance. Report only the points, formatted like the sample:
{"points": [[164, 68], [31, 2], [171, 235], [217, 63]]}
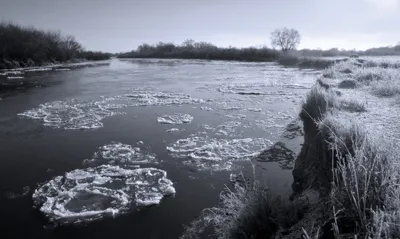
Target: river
{"points": [[133, 133]]}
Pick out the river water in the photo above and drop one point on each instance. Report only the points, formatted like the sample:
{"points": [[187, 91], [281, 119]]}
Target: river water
{"points": [[137, 148]]}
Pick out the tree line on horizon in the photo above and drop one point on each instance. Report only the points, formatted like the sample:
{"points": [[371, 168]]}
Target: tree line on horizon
{"points": [[191, 49], [27, 46], [285, 39]]}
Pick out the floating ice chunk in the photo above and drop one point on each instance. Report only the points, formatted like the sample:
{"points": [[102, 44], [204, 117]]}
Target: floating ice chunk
{"points": [[15, 77], [71, 114], [243, 88], [120, 154], [172, 130], [140, 97], [254, 109], [38, 69], [267, 124], [237, 116], [216, 154], [221, 132], [225, 129], [175, 119], [13, 72], [206, 108], [92, 193]]}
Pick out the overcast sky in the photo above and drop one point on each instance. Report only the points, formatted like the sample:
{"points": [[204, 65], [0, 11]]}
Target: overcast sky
{"points": [[121, 25]]}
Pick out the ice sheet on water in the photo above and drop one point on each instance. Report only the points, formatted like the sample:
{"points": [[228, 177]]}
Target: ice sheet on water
{"points": [[237, 116], [175, 119], [14, 72], [213, 154], [172, 130], [266, 124], [15, 77], [72, 114], [150, 97], [40, 69], [254, 109], [206, 108], [244, 88], [120, 154], [89, 194], [229, 128]]}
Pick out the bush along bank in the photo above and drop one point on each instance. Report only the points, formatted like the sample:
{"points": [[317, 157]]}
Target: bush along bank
{"points": [[346, 177], [201, 50]]}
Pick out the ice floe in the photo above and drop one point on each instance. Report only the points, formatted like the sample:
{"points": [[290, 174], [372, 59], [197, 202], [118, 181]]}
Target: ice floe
{"points": [[254, 109], [206, 108], [15, 77], [213, 154], [92, 193], [143, 97], [175, 119], [38, 69], [72, 114], [229, 128], [172, 130], [121, 154], [237, 116]]}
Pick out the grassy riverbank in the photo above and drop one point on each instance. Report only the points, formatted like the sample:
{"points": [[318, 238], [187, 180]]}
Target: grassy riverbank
{"points": [[28, 47], [346, 176]]}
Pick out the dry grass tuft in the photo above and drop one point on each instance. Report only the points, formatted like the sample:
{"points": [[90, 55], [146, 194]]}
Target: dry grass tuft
{"points": [[386, 89], [347, 84], [365, 183]]}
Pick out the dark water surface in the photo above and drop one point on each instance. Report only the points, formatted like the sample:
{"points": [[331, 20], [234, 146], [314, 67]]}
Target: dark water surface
{"points": [[218, 141]]}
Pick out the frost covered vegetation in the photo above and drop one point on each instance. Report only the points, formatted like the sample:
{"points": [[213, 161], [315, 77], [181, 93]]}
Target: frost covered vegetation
{"points": [[28, 46], [346, 176]]}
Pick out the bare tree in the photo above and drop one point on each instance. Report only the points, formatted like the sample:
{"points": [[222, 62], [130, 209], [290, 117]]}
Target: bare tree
{"points": [[397, 47], [188, 43], [286, 39]]}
